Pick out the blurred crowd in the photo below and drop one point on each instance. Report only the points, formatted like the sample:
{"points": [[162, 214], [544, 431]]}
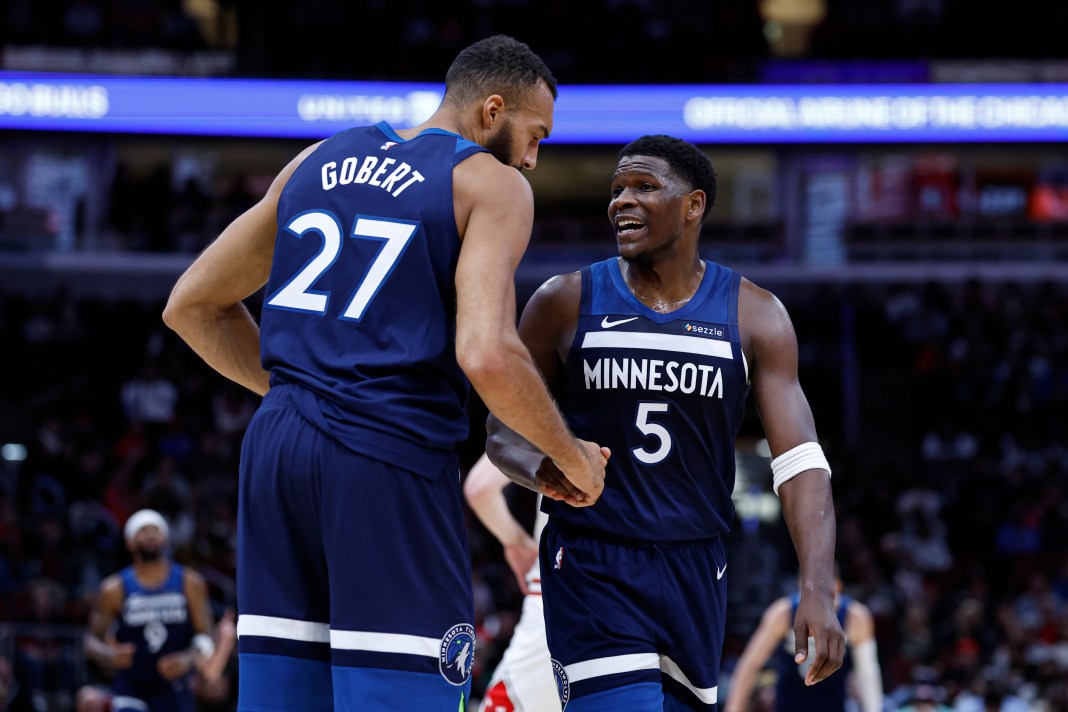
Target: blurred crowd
{"points": [[666, 41], [951, 504]]}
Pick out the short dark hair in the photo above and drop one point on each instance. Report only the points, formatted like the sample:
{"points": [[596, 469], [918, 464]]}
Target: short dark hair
{"points": [[686, 160], [496, 65]]}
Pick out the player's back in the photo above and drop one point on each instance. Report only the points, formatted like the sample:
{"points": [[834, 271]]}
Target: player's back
{"points": [[359, 310], [156, 621], [666, 393]]}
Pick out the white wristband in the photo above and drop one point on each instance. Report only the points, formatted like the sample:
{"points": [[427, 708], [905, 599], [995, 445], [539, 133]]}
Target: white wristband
{"points": [[790, 464], [203, 644]]}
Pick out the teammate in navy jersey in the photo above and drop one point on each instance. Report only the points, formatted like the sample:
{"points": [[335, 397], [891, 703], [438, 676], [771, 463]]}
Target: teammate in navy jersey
{"points": [[653, 354], [389, 260], [774, 640], [151, 626]]}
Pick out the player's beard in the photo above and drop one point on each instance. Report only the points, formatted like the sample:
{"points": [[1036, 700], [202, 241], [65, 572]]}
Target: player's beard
{"points": [[149, 553], [500, 145]]}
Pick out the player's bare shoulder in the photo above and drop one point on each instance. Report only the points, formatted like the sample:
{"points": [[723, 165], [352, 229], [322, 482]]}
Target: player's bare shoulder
{"points": [[484, 182], [763, 321], [192, 580], [552, 312], [112, 590]]}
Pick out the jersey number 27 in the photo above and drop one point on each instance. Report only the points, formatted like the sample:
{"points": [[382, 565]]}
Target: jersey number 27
{"points": [[297, 294]]}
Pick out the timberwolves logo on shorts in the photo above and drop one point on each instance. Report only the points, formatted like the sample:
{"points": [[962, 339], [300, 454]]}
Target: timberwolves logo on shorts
{"points": [[457, 654], [563, 687]]}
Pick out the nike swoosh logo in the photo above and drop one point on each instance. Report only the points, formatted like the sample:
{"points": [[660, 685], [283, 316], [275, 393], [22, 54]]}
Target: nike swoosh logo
{"points": [[720, 572], [605, 324]]}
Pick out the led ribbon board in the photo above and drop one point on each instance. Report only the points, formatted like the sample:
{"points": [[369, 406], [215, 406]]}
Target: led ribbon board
{"points": [[842, 113]]}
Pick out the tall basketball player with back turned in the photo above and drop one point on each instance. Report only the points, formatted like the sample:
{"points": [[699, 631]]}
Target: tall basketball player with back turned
{"points": [[389, 259], [653, 353]]}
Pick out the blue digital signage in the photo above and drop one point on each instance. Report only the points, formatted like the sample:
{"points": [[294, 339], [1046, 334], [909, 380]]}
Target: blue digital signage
{"points": [[850, 113]]}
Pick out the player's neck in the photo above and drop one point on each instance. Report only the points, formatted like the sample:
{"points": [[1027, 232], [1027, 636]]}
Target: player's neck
{"points": [[445, 118], [151, 574], [664, 283]]}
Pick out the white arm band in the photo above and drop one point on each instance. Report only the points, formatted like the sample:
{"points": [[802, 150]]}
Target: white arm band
{"points": [[867, 676], [790, 464], [203, 644]]}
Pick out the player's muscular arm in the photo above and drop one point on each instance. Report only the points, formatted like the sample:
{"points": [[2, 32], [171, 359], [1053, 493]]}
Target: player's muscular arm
{"points": [[205, 306], [546, 329], [806, 499], [112, 656], [773, 626], [499, 208], [203, 652]]}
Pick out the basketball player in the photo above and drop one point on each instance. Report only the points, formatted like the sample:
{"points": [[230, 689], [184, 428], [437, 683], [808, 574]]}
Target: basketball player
{"points": [[523, 680], [389, 259], [151, 625], [775, 637], [653, 353]]}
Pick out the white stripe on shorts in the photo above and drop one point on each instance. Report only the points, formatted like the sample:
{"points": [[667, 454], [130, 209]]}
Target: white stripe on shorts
{"points": [[609, 666], [385, 643], [288, 628], [122, 703], [708, 695]]}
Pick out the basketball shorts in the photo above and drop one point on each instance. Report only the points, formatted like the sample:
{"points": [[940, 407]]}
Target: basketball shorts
{"points": [[353, 575], [523, 681], [633, 625]]}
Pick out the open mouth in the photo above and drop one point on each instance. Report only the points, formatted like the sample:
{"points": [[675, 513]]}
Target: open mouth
{"points": [[628, 226]]}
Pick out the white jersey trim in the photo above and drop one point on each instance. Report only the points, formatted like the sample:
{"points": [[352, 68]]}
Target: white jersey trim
{"points": [[384, 642], [612, 665], [708, 695], [657, 342], [287, 628], [122, 702]]}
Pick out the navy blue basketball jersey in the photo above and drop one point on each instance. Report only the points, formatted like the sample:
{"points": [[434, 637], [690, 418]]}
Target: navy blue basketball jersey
{"points": [[666, 393], [791, 693], [156, 621], [359, 310]]}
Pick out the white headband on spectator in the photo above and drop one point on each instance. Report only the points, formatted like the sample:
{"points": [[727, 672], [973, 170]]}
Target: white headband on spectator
{"points": [[145, 518], [790, 464]]}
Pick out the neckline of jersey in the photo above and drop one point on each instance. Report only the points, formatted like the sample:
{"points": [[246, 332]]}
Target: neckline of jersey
{"points": [[616, 273], [392, 135], [154, 589]]}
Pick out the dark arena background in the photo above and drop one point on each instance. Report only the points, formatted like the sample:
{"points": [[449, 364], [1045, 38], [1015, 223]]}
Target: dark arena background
{"points": [[896, 171]]}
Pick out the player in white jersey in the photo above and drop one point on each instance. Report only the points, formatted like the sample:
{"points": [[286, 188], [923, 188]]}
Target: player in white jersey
{"points": [[523, 681]]}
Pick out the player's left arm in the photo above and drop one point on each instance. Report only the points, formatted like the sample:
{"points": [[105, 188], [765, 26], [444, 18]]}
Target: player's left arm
{"points": [[212, 644], [860, 630], [807, 505], [174, 665]]}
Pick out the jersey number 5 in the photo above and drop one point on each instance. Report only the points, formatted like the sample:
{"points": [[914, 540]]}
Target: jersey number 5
{"points": [[297, 294], [656, 430]]}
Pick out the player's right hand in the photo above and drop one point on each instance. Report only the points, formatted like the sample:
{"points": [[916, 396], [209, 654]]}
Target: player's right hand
{"points": [[583, 483], [122, 655]]}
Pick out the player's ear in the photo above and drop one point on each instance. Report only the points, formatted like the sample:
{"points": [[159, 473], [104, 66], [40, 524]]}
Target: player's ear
{"points": [[695, 206], [492, 108]]}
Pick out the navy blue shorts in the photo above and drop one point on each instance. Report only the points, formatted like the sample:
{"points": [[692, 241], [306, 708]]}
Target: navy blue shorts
{"points": [[354, 581], [633, 626]]}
